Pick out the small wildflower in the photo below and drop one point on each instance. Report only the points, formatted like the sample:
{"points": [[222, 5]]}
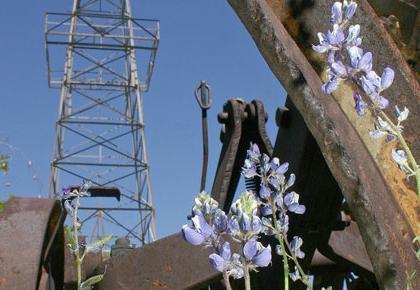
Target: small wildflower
{"points": [[360, 105], [295, 275], [257, 254], [295, 245]]}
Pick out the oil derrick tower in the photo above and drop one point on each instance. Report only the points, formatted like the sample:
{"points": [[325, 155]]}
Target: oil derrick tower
{"points": [[99, 136]]}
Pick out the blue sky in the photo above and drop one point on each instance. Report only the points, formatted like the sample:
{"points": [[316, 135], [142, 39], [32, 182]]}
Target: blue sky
{"points": [[199, 40]]}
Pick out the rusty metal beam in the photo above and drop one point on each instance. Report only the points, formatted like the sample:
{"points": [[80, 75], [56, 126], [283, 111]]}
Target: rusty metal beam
{"points": [[31, 242], [373, 196], [169, 263]]}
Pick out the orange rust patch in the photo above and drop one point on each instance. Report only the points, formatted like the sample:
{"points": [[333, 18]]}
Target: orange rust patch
{"points": [[156, 285], [404, 190]]}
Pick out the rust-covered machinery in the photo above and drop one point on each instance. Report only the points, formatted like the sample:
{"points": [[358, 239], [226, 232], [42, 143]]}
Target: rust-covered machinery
{"points": [[333, 155]]}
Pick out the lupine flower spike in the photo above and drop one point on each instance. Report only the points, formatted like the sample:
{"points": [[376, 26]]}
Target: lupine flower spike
{"points": [[346, 61]]}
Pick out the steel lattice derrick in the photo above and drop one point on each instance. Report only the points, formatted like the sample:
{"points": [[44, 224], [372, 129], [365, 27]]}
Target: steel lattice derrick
{"points": [[99, 137]]}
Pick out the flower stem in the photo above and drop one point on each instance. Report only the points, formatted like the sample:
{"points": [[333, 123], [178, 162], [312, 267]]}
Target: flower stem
{"points": [[304, 277], [283, 249], [78, 261], [247, 279], [407, 150], [226, 280], [285, 264]]}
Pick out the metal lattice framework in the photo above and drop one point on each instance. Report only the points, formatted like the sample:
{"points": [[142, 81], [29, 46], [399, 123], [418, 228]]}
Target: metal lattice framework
{"points": [[99, 136]]}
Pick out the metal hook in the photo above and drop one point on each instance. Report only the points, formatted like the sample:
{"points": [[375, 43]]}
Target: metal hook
{"points": [[204, 100]]}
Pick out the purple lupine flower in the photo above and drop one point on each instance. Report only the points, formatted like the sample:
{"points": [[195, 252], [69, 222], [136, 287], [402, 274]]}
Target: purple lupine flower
{"points": [[199, 233], [256, 226], [284, 222], [335, 37], [350, 10], [220, 221], [245, 223], [277, 168], [221, 261], [371, 84], [291, 180], [360, 105], [248, 224], [66, 191], [400, 157], [266, 210], [224, 260], [353, 38], [254, 154], [291, 201], [323, 46], [257, 254], [295, 275], [236, 269], [233, 226], [205, 205], [387, 78], [265, 192], [69, 208], [331, 85], [360, 61], [336, 14], [401, 115], [355, 54], [331, 56], [330, 42], [265, 163], [295, 246], [379, 100], [249, 169], [365, 63], [339, 69]]}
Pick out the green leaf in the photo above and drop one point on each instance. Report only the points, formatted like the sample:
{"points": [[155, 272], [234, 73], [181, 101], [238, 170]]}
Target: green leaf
{"points": [[410, 278], [86, 285], [98, 244]]}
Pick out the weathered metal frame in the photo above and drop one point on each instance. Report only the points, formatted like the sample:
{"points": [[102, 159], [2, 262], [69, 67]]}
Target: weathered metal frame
{"points": [[387, 237], [31, 244], [243, 123]]}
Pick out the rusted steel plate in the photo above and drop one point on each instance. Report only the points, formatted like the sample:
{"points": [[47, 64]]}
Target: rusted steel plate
{"points": [[169, 263], [385, 228], [242, 123], [319, 226], [348, 244], [29, 227]]}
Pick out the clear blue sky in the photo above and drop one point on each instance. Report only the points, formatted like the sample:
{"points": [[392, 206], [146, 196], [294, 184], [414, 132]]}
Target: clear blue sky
{"points": [[199, 40]]}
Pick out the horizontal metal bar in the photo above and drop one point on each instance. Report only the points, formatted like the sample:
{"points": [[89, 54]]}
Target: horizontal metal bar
{"points": [[97, 15], [115, 209], [100, 123], [108, 35], [139, 164], [99, 46]]}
